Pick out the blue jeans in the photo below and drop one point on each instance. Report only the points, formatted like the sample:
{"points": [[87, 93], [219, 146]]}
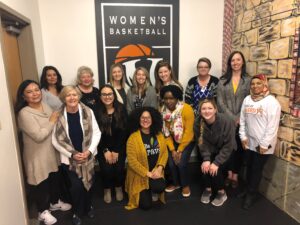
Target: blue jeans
{"points": [[179, 172]]}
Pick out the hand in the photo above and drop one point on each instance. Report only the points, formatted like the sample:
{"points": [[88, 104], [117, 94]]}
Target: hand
{"points": [[86, 154], [108, 157], [174, 155], [157, 172], [54, 117], [213, 169], [179, 157], [149, 174], [245, 144], [262, 150], [115, 157], [78, 157], [237, 121], [205, 167]]}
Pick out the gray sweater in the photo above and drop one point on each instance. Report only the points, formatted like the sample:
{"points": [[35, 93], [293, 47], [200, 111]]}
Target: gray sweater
{"points": [[218, 139]]}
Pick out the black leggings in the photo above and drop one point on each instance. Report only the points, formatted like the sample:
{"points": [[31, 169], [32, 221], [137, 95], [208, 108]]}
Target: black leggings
{"points": [[156, 186]]}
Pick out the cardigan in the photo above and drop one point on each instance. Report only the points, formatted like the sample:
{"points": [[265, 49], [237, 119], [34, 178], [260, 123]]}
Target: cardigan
{"points": [[188, 118], [259, 123], [150, 99], [136, 178], [229, 102], [51, 100], [39, 155]]}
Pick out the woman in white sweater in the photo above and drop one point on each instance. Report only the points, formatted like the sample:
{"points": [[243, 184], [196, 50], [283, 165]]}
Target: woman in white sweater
{"points": [[259, 122]]}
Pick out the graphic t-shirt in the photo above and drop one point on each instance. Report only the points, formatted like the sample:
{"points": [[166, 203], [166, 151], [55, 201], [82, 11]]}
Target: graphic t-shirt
{"points": [[152, 149]]}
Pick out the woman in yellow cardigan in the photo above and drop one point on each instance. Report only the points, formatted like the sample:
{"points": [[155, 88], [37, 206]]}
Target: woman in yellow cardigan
{"points": [[147, 156], [178, 120]]}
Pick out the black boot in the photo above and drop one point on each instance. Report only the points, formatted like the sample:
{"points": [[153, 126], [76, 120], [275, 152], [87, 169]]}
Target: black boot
{"points": [[249, 200]]}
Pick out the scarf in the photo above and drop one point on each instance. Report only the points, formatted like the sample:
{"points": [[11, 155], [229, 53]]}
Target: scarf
{"points": [[84, 170], [172, 121], [265, 91]]}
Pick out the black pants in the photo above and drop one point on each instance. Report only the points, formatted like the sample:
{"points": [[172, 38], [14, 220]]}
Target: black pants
{"points": [[156, 186], [112, 174], [46, 192], [80, 197], [236, 159], [255, 163]]}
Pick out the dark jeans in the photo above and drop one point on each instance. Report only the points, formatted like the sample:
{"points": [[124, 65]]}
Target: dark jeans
{"points": [[155, 186], [46, 192], [112, 175], [179, 172], [236, 159], [255, 164], [81, 199]]}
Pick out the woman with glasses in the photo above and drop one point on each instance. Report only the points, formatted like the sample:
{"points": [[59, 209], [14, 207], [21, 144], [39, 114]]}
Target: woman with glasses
{"points": [[112, 119], [201, 86]]}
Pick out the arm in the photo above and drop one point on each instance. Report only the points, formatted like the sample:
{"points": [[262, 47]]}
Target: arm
{"points": [[96, 135], [152, 97], [242, 129], [129, 105], [58, 147], [188, 94], [163, 155]]}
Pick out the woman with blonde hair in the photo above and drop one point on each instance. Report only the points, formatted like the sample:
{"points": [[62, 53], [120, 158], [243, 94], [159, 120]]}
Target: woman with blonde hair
{"points": [[141, 93], [117, 79]]}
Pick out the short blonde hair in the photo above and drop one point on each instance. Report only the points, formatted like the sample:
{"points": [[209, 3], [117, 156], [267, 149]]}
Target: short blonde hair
{"points": [[64, 92], [81, 70]]}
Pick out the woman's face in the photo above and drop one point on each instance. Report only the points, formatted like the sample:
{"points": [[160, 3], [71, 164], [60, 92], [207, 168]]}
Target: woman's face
{"points": [[164, 74], [145, 120], [51, 77], [203, 69], [107, 96], [257, 86], [208, 111], [170, 101], [72, 99], [140, 77], [117, 74], [237, 62], [32, 94], [86, 79]]}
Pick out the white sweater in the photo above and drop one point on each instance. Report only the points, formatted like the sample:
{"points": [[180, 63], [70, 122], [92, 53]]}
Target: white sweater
{"points": [[259, 122]]}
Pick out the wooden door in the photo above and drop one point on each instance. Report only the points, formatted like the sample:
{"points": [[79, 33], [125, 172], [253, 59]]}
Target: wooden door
{"points": [[12, 61]]}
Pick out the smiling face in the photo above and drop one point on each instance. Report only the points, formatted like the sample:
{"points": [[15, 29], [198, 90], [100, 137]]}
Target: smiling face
{"points": [[164, 74], [107, 96], [51, 77], [170, 101], [117, 74], [32, 94], [72, 99], [208, 112], [257, 86], [86, 79], [141, 77], [237, 62], [146, 121], [203, 68]]}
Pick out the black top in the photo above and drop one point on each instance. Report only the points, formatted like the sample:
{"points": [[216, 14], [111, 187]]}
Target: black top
{"points": [[138, 102], [91, 99], [116, 141], [152, 149], [75, 130], [123, 94]]}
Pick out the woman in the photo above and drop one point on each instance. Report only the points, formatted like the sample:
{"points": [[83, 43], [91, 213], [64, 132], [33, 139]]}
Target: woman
{"points": [[178, 120], [141, 93], [76, 136], [36, 121], [90, 95], [216, 141], [51, 84], [233, 87], [147, 156], [259, 123], [202, 86], [112, 120], [117, 79], [164, 75]]}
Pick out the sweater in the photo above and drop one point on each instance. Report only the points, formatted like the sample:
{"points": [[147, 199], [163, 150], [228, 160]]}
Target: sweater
{"points": [[39, 155], [218, 139], [259, 122], [188, 133], [136, 178]]}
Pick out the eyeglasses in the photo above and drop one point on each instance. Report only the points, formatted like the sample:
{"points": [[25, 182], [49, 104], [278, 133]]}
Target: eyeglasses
{"points": [[107, 94], [145, 118]]}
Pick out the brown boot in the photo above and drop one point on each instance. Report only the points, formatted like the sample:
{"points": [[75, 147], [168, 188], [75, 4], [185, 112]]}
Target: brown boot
{"points": [[107, 195], [119, 193]]}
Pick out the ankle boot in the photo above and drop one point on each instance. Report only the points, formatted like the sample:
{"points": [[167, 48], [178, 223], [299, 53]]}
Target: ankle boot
{"points": [[119, 193], [107, 195]]}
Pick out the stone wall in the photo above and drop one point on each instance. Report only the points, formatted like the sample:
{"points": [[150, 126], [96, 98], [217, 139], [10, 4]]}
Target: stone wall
{"points": [[264, 31]]}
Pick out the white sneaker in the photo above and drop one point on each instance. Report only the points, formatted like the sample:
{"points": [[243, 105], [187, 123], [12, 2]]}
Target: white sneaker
{"points": [[60, 205], [154, 197], [47, 218]]}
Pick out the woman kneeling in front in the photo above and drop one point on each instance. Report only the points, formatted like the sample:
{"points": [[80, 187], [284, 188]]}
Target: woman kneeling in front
{"points": [[147, 156]]}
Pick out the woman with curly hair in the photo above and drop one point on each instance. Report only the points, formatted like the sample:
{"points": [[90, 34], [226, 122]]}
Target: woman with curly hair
{"points": [[112, 118], [141, 93], [147, 156]]}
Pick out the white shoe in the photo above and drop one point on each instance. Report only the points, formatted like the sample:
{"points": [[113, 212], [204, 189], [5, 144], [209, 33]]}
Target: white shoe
{"points": [[47, 218], [154, 197], [60, 205]]}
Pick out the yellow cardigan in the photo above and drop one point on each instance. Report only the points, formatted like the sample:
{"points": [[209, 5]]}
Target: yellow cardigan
{"points": [[188, 133], [136, 178]]}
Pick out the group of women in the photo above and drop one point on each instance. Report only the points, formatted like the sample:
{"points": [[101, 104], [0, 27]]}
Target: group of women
{"points": [[149, 125]]}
